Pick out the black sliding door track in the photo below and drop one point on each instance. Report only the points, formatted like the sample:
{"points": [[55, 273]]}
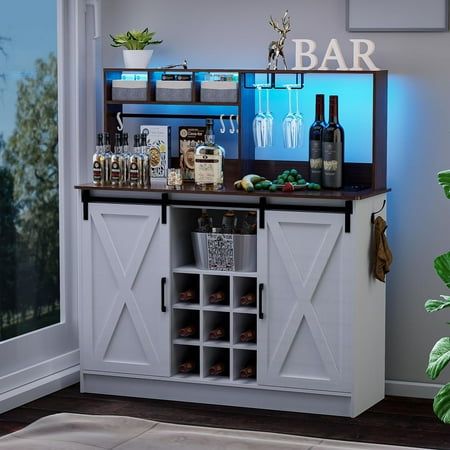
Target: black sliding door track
{"points": [[263, 205]]}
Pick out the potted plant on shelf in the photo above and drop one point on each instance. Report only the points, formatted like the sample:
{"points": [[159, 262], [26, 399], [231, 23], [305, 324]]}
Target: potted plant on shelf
{"points": [[134, 55], [440, 353]]}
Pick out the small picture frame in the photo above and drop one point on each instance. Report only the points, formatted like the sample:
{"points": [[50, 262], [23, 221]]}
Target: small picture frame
{"points": [[397, 15]]}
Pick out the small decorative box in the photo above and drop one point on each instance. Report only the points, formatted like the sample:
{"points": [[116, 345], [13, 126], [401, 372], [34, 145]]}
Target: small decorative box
{"points": [[173, 91], [218, 91], [129, 90]]}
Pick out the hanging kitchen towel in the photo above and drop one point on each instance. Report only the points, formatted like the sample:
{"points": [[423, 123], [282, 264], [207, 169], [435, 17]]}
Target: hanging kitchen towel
{"points": [[383, 254]]}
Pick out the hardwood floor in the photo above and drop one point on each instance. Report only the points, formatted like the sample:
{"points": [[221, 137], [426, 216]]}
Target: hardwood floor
{"points": [[395, 420]]}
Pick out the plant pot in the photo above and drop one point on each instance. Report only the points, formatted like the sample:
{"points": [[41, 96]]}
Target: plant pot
{"points": [[137, 59]]}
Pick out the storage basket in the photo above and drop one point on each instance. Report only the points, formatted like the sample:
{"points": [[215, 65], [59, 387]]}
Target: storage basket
{"points": [[173, 91], [218, 92], [129, 90]]}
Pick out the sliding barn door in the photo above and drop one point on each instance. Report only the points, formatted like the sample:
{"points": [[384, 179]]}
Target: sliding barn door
{"points": [[304, 336], [126, 255]]}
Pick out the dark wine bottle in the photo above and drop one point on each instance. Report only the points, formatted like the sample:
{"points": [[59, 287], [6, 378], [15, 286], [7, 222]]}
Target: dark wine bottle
{"points": [[217, 297], [248, 335], [187, 366], [333, 149], [217, 369], [315, 142], [217, 333], [187, 295], [248, 299], [187, 331], [248, 372]]}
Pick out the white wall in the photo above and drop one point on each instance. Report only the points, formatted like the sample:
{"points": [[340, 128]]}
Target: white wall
{"points": [[235, 34]]}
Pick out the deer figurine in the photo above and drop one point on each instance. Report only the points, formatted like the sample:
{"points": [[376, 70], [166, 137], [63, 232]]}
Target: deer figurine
{"points": [[276, 47]]}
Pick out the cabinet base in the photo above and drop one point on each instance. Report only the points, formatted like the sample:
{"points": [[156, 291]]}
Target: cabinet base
{"points": [[325, 403]]}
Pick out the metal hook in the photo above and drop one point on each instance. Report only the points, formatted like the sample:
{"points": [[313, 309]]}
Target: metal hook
{"points": [[119, 121], [372, 216], [237, 124], [222, 124], [232, 129]]}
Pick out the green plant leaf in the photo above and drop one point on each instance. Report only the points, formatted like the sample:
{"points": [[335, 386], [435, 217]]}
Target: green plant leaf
{"points": [[442, 267], [439, 357], [444, 181], [441, 404], [437, 305]]}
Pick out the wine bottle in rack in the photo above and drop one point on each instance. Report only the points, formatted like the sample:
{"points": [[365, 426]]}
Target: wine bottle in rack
{"points": [[188, 295], [248, 372], [217, 297], [248, 299], [217, 333], [217, 369], [187, 366], [204, 222], [187, 331], [333, 149], [229, 222], [315, 142], [248, 335]]}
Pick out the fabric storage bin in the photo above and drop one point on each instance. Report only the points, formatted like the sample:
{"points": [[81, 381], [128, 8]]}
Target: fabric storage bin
{"points": [[129, 90], [218, 92], [225, 252], [173, 91]]}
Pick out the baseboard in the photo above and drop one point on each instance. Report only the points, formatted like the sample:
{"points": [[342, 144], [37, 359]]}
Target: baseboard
{"points": [[39, 388], [411, 389]]}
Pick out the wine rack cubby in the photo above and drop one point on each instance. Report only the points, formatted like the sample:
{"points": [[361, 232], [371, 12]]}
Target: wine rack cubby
{"points": [[216, 291], [216, 359], [186, 283], [186, 356], [244, 367]]}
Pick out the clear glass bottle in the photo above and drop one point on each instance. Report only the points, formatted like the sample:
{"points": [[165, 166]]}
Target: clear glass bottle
{"points": [[98, 162], [117, 162], [107, 157], [144, 163], [209, 161], [126, 158], [134, 163]]}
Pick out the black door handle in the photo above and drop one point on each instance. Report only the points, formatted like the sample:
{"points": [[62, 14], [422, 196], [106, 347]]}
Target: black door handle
{"points": [[163, 290], [260, 312]]}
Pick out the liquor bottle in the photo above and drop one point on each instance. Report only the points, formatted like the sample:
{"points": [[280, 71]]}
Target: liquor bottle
{"points": [[249, 224], [315, 142], [107, 157], [229, 222], [187, 331], [217, 297], [217, 333], [248, 372], [204, 222], [98, 162], [209, 160], [248, 299], [134, 163], [143, 162], [217, 369], [248, 335], [117, 162], [187, 366], [333, 149], [126, 158], [187, 296]]}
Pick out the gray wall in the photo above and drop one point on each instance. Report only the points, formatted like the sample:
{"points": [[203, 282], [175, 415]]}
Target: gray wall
{"points": [[235, 34]]}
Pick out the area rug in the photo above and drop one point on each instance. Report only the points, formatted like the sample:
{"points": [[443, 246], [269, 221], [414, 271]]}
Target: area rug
{"points": [[83, 432]]}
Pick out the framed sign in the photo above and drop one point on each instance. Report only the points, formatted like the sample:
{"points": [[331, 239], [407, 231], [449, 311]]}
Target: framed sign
{"points": [[397, 15]]}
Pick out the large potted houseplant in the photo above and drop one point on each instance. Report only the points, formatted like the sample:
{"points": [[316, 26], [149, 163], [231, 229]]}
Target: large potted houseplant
{"points": [[135, 55], [440, 353]]}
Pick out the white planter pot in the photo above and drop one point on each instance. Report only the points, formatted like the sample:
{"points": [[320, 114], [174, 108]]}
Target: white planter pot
{"points": [[137, 59]]}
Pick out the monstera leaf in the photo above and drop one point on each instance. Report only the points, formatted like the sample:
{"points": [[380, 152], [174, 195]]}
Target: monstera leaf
{"points": [[439, 357], [441, 404], [444, 181], [436, 305], [442, 267]]}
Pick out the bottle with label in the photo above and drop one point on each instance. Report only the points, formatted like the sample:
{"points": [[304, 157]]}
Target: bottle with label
{"points": [[134, 163], [117, 162], [248, 299], [144, 162], [126, 158], [209, 161], [98, 162], [315, 142], [204, 222], [107, 157], [229, 222], [333, 149]]}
